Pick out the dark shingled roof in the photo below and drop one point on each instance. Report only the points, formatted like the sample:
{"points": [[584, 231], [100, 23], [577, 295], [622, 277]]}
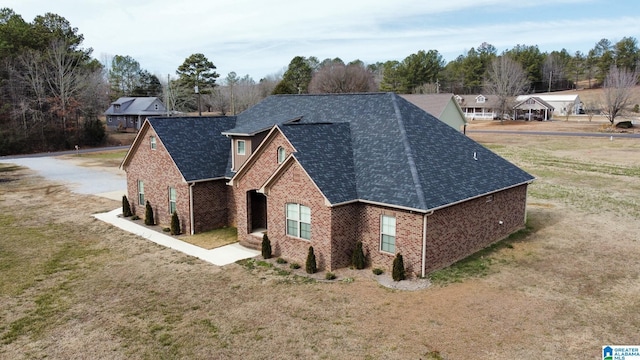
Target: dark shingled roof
{"points": [[400, 155], [196, 144]]}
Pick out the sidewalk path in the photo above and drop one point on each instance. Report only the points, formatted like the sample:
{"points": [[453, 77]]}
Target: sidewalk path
{"points": [[223, 255]]}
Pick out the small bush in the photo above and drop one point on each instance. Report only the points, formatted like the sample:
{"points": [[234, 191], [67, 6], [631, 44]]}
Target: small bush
{"points": [[126, 207], [357, 258], [166, 229], [398, 273], [294, 266], [624, 125], [175, 224], [310, 266], [148, 215], [135, 217], [266, 247], [281, 261], [330, 276], [378, 271]]}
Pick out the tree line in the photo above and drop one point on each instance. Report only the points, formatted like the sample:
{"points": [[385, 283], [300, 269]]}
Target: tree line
{"points": [[52, 92]]}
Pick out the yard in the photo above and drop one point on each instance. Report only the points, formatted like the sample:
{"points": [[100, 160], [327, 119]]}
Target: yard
{"points": [[74, 287]]}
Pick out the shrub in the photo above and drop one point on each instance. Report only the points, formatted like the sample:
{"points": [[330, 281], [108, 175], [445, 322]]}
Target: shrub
{"points": [[310, 265], [94, 132], [175, 224], [135, 217], [398, 268], [624, 125], [357, 258], [126, 207], [294, 266], [330, 276], [281, 261], [166, 229], [148, 215], [378, 271], [266, 247]]}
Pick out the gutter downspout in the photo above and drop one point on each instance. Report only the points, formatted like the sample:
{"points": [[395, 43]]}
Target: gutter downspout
{"points": [[192, 231], [424, 243]]}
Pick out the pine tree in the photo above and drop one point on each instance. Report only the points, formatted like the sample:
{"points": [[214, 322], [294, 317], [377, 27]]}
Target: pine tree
{"points": [[266, 247], [126, 207], [398, 268], [357, 259], [148, 215], [175, 224], [311, 266]]}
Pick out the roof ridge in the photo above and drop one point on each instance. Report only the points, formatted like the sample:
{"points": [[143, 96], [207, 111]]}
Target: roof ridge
{"points": [[408, 152]]}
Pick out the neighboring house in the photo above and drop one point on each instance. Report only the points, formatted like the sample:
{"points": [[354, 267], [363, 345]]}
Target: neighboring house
{"points": [[478, 107], [130, 112], [327, 171], [442, 106], [532, 108], [562, 104]]}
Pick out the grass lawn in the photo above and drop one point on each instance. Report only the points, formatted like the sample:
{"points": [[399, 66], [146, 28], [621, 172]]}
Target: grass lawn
{"points": [[212, 239]]}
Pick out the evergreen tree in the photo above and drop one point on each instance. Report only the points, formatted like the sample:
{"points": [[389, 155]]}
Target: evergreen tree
{"points": [[126, 207], [148, 215], [357, 258], [311, 266], [266, 247], [175, 224], [398, 268]]}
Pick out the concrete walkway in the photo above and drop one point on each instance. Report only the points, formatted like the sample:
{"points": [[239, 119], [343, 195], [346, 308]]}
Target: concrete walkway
{"points": [[223, 255]]}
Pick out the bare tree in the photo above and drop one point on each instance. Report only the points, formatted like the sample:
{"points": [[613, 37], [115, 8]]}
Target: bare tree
{"points": [[506, 79], [336, 77], [62, 75], [618, 92]]}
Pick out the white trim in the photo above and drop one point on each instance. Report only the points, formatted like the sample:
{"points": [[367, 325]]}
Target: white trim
{"points": [[382, 233], [244, 147], [191, 216]]}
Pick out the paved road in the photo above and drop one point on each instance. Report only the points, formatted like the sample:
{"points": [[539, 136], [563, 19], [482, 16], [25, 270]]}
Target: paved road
{"points": [[556, 133]]}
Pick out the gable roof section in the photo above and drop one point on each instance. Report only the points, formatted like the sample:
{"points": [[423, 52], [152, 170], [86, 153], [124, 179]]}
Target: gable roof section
{"points": [[400, 155], [542, 104], [196, 144], [324, 150], [136, 106], [434, 104]]}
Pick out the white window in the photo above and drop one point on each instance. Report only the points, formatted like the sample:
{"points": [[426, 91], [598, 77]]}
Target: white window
{"points": [[240, 147], [282, 153], [172, 200], [152, 141], [140, 192], [388, 234], [299, 221], [480, 99]]}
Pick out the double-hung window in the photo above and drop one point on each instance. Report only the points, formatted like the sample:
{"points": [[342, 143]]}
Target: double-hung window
{"points": [[299, 221], [140, 192], [240, 147], [172, 200], [282, 154], [388, 234], [152, 141]]}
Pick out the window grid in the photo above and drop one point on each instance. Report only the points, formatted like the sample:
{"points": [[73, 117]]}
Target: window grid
{"points": [[140, 192], [240, 147], [172, 200], [281, 154], [152, 140], [388, 234], [298, 221]]}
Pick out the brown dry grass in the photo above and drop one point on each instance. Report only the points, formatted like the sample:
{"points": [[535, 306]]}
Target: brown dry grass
{"points": [[73, 287]]}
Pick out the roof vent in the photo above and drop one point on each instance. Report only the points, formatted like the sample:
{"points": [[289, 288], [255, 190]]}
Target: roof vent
{"points": [[475, 156]]}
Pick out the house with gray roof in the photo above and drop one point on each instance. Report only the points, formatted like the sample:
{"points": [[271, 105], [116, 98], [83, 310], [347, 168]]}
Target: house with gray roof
{"points": [[329, 171], [130, 112]]}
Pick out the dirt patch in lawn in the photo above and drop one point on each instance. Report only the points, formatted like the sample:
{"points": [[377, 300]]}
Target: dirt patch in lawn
{"points": [[74, 287]]}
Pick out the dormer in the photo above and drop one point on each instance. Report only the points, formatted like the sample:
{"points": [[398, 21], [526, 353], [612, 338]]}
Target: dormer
{"points": [[480, 99], [459, 99]]}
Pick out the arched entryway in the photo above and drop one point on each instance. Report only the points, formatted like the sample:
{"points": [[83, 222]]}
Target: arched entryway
{"points": [[256, 211]]}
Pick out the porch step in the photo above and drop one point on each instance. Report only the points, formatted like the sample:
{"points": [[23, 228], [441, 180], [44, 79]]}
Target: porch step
{"points": [[252, 242]]}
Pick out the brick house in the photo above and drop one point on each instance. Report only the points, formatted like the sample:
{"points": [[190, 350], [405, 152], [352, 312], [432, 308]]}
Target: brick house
{"points": [[327, 171]]}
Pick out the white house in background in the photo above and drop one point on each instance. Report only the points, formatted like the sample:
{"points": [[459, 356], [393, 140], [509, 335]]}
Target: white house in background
{"points": [[562, 104], [478, 107]]}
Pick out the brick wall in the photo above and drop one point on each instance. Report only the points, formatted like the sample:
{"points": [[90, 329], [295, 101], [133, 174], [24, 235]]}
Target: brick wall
{"points": [[455, 232], [210, 207], [158, 172]]}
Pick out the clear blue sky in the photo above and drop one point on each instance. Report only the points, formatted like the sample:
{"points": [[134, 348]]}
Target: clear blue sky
{"points": [[259, 38]]}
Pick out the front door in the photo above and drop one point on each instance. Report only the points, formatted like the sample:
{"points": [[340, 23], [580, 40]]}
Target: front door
{"points": [[256, 211]]}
